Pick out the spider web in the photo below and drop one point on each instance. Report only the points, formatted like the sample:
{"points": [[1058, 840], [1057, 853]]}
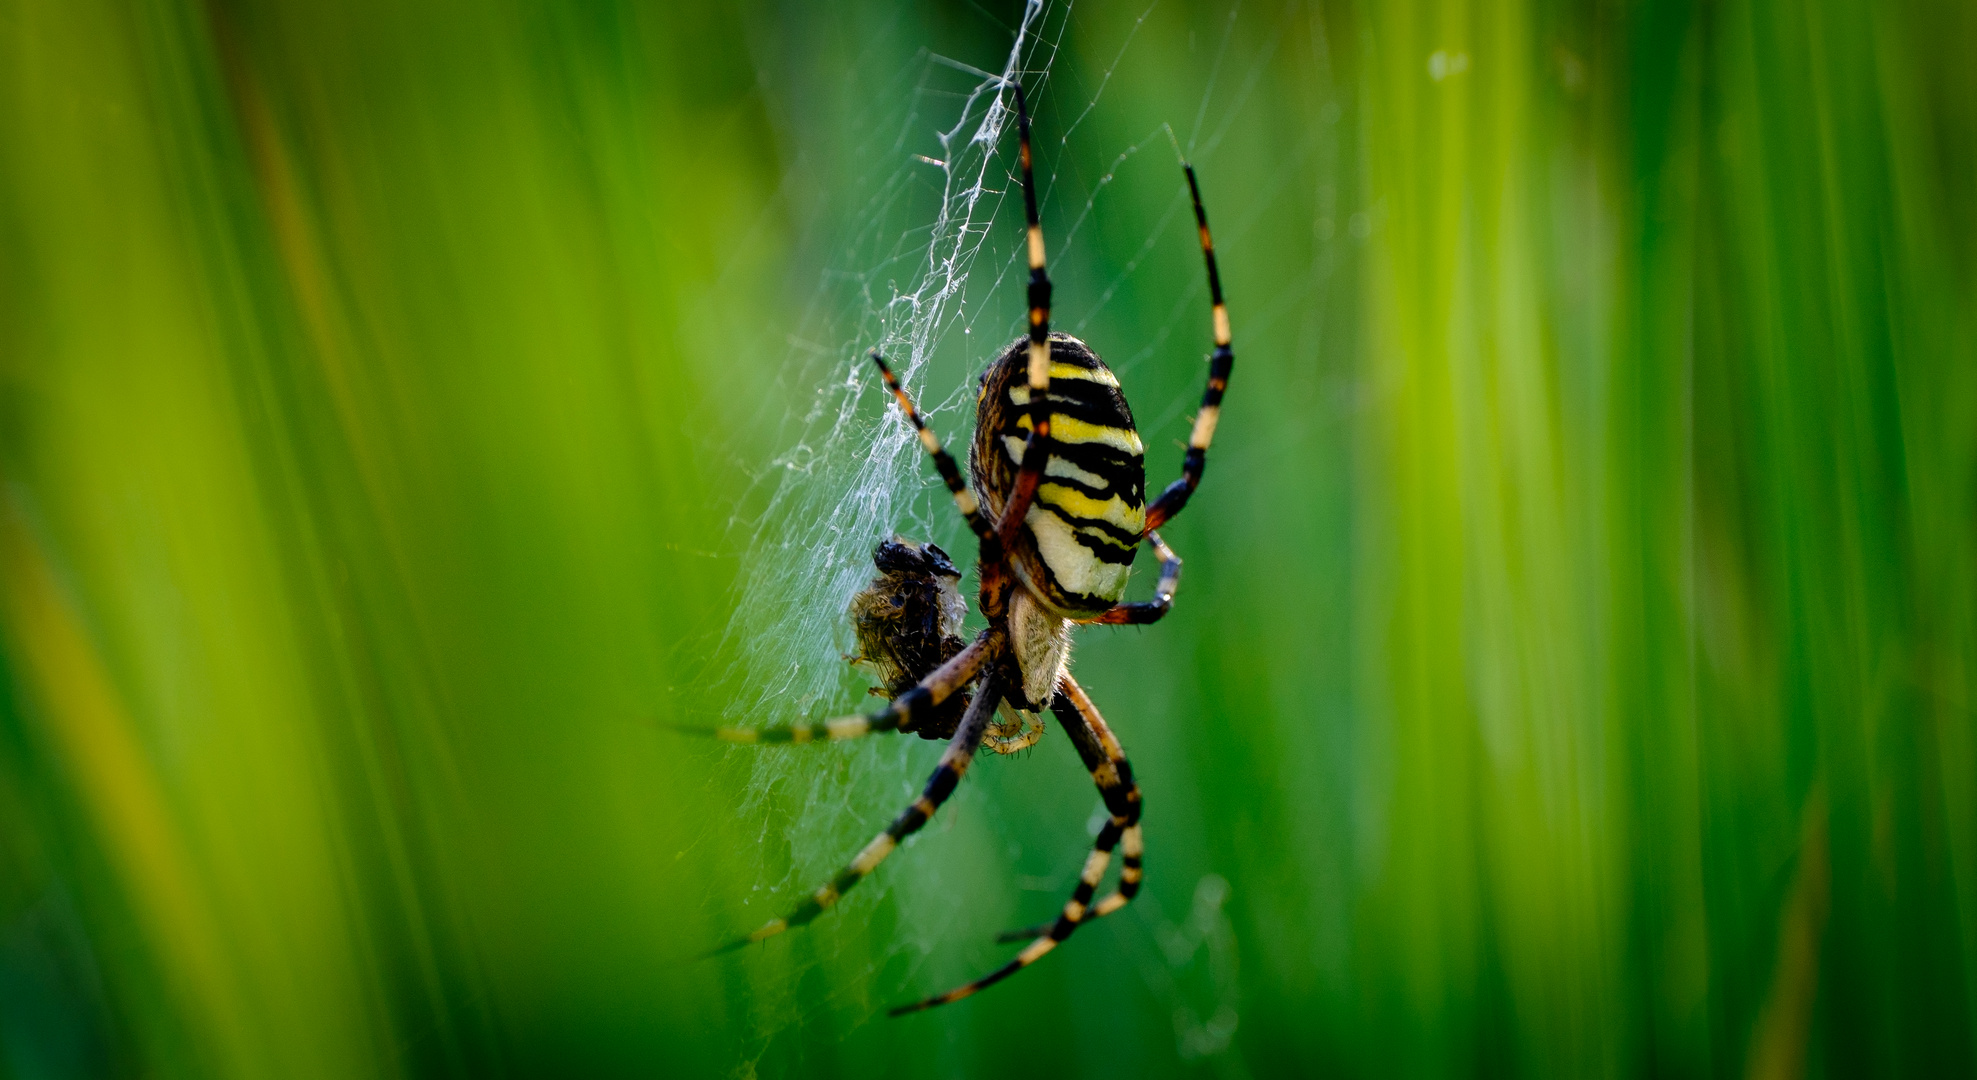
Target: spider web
{"points": [[935, 247], [855, 475]]}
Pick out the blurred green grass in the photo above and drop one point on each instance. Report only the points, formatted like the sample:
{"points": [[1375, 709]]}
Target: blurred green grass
{"points": [[1572, 673]]}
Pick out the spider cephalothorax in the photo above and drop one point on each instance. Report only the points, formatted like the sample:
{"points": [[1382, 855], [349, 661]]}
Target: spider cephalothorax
{"points": [[1059, 507]]}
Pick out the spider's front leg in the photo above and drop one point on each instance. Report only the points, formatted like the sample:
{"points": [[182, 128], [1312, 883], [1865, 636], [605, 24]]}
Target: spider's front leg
{"points": [[1106, 761], [1220, 363], [947, 775], [1036, 448]]}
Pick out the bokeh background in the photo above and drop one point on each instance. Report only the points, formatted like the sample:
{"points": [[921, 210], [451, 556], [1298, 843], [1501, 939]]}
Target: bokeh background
{"points": [[404, 406]]}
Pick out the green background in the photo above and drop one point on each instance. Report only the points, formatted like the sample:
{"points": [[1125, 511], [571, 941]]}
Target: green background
{"points": [[1573, 669]]}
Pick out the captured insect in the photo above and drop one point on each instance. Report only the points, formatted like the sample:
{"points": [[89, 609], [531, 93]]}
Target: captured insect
{"points": [[1058, 505]]}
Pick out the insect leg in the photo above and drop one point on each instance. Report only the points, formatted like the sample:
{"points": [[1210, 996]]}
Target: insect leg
{"points": [[947, 775], [1219, 364]]}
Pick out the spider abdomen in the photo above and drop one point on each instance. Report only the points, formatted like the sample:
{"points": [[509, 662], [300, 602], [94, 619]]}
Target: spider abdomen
{"points": [[1076, 547]]}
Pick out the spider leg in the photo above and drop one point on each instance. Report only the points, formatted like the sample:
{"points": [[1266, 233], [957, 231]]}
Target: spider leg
{"points": [[1219, 364], [1106, 760], [1115, 784], [1113, 774], [964, 500], [931, 691], [946, 776], [1149, 611], [1036, 451]]}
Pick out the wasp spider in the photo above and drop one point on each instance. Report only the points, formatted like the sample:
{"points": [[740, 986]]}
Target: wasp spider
{"points": [[1058, 504]]}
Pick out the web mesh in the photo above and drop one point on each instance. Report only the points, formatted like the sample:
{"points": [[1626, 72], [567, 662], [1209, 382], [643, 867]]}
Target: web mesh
{"points": [[855, 475]]}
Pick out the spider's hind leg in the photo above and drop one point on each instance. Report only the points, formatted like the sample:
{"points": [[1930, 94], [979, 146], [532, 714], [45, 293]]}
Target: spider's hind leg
{"points": [[903, 713], [1106, 761]]}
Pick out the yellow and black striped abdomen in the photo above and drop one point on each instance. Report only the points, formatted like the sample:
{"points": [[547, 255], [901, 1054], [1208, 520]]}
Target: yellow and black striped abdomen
{"points": [[1076, 547]]}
